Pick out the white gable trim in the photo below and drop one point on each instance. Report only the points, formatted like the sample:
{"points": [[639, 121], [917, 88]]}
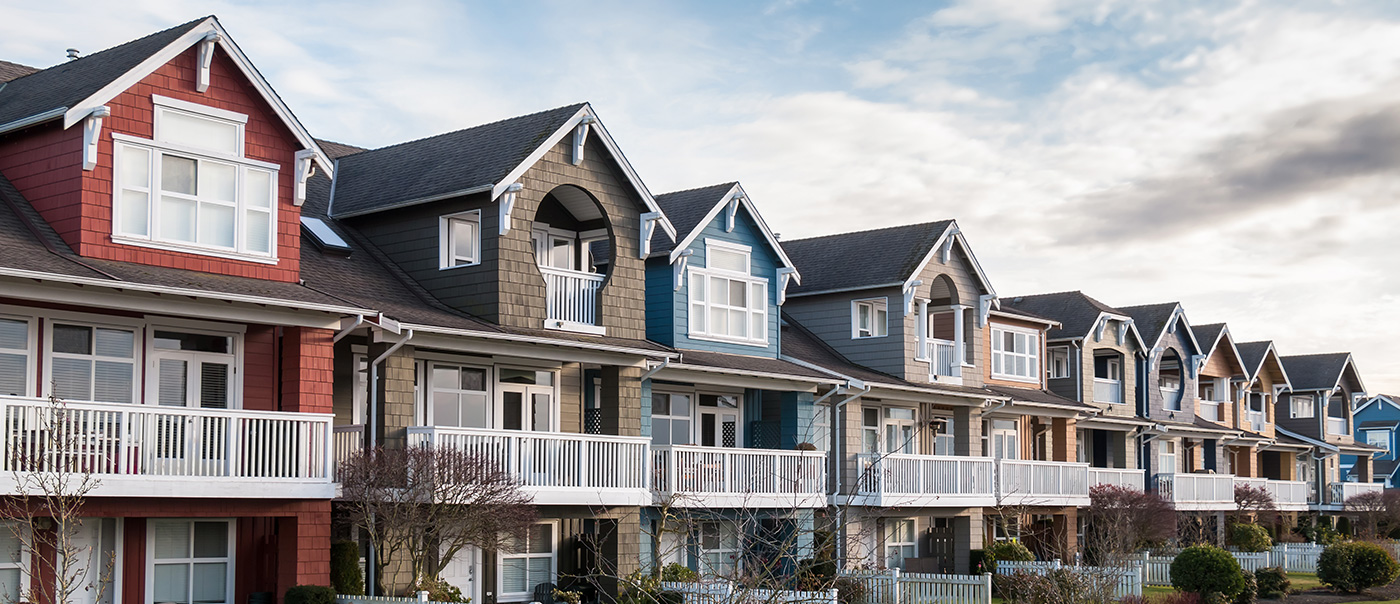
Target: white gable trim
{"points": [[1224, 333], [1379, 398], [1178, 314], [736, 193], [596, 126], [209, 28], [1287, 383], [951, 235]]}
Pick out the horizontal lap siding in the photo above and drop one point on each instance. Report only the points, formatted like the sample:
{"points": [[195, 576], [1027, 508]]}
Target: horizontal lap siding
{"points": [[763, 264], [663, 303], [829, 317]]}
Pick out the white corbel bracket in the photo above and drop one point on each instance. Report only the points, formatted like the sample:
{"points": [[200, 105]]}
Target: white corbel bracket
{"points": [[304, 170], [1198, 362], [785, 276], [678, 269], [946, 253], [649, 222], [206, 59], [909, 289], [508, 206], [731, 211], [1098, 329], [92, 132], [1123, 330], [985, 302], [581, 137]]}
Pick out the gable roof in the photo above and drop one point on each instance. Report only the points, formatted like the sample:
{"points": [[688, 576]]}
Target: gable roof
{"points": [[887, 257], [694, 209], [73, 89], [1317, 371], [10, 71], [1253, 355], [1078, 313], [1212, 336], [1152, 321], [1379, 400], [481, 159]]}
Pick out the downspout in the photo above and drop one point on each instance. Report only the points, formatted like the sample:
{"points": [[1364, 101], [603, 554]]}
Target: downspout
{"points": [[372, 429], [840, 458], [650, 372], [359, 320]]}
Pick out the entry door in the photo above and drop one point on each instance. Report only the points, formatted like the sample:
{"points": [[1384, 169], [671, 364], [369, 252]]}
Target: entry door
{"points": [[96, 546], [718, 424], [461, 572], [1005, 439], [527, 407], [901, 431]]}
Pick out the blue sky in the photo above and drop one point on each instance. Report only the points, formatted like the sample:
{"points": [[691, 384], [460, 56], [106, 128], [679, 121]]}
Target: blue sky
{"points": [[1240, 157]]}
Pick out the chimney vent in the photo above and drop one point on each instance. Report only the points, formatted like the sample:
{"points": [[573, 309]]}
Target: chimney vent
{"points": [[72, 54]]}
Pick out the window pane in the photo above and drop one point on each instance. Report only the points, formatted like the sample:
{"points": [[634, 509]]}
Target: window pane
{"points": [[680, 405], [172, 539], [177, 219], [218, 181], [738, 294], [660, 431], [173, 386], [697, 318], [216, 225], [177, 174], [10, 584], [132, 212], [172, 583], [719, 321], [541, 539], [211, 539], [213, 385], [257, 188], [445, 411], [511, 404], [135, 166], [540, 412], [759, 328], [680, 431], [513, 577], [719, 290], [114, 382], [72, 339], [881, 318], [698, 288], [14, 335], [728, 260], [117, 343], [473, 379], [864, 311], [463, 242], [738, 324], [72, 379], [204, 133], [540, 570], [14, 371], [475, 411], [257, 232], [660, 404], [445, 377], [210, 582]]}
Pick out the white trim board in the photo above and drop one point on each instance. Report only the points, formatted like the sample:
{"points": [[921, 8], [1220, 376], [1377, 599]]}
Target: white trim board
{"points": [[736, 191], [953, 231]]}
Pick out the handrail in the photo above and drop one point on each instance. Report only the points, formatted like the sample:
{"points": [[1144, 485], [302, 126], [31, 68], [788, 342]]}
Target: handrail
{"points": [[566, 272]]}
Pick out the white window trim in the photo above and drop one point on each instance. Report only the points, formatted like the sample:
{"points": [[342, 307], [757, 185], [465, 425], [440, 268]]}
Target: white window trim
{"points": [[497, 390], [423, 409], [671, 416], [137, 360], [31, 352], [703, 552], [889, 542], [524, 596], [1050, 366], [23, 565], [1035, 354], [755, 306], [1310, 406], [446, 257], [152, 356], [729, 246], [855, 317], [231, 560]]}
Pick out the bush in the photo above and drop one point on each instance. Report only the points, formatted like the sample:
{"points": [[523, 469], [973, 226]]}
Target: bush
{"points": [[1250, 593], [1022, 587], [441, 591], [849, 591], [1205, 570], [310, 594], [679, 573], [1272, 582], [980, 562], [1006, 551], [1250, 538], [1352, 567], [345, 568]]}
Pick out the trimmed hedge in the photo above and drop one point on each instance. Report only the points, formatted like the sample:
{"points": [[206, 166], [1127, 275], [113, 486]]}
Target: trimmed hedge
{"points": [[1355, 566], [1206, 569], [310, 594], [1273, 582]]}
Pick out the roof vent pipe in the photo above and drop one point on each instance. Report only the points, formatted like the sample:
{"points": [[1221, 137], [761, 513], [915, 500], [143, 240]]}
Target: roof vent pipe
{"points": [[73, 54]]}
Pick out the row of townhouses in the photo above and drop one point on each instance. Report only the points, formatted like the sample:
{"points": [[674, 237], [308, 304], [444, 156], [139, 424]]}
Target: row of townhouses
{"points": [[229, 305]]}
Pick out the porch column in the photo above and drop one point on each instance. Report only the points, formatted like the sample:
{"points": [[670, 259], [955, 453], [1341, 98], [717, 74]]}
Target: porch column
{"points": [[621, 404], [967, 536], [1245, 462], [1063, 436], [1066, 527], [1287, 465], [1362, 468], [304, 548], [393, 413], [308, 370], [967, 431], [623, 548], [958, 338], [923, 331]]}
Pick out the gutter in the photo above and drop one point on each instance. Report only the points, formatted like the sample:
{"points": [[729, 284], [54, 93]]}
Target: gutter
{"points": [[37, 118], [452, 331]]}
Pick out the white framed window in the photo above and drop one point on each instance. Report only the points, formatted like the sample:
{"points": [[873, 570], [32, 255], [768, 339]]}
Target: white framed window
{"points": [[1058, 362], [14, 559], [1005, 438], [944, 431], [670, 418], [900, 541], [1301, 407], [1167, 456], [727, 303], [1016, 354], [190, 561], [91, 363], [1378, 438], [870, 429], [191, 188], [459, 239], [17, 356], [719, 548], [525, 563], [193, 368], [820, 432], [870, 318], [555, 248], [458, 396], [525, 399], [901, 430]]}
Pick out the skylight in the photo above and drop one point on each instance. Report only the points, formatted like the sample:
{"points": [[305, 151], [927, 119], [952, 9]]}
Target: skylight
{"points": [[324, 236]]}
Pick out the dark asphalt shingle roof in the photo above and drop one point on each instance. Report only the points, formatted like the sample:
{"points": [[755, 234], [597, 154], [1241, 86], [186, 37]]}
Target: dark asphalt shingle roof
{"points": [[1206, 334], [336, 150], [720, 360], [10, 71], [685, 210], [1076, 312], [1150, 319], [70, 82], [1315, 371], [862, 259], [382, 178], [1384, 467], [1033, 395], [1252, 354]]}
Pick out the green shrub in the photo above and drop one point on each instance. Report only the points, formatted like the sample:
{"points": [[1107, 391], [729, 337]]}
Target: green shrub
{"points": [[441, 591], [310, 594], [1250, 593], [1250, 538], [345, 568], [677, 572], [1352, 567], [849, 591], [1206, 570], [1022, 587], [1006, 551], [1272, 582], [980, 561]]}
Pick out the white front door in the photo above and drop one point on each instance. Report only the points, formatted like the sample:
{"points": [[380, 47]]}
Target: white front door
{"points": [[96, 544], [1005, 439], [462, 570], [718, 424]]}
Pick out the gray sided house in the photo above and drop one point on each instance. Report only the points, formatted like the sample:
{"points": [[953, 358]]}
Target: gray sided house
{"points": [[1317, 408]]}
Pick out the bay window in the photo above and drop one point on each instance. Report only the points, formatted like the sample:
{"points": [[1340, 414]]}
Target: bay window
{"points": [[191, 188], [190, 562], [527, 562], [869, 318], [90, 363], [16, 356], [726, 302], [1015, 354]]}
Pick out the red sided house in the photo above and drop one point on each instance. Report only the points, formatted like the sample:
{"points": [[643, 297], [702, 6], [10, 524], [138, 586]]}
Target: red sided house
{"points": [[150, 225]]}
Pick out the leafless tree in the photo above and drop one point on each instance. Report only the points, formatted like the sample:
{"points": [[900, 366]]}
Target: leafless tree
{"points": [[54, 462], [1122, 521], [1374, 514], [422, 505], [1254, 504]]}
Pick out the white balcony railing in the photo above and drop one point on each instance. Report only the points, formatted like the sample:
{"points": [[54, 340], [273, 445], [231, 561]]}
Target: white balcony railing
{"points": [[943, 355], [1339, 492], [557, 468], [1118, 477], [1256, 420], [1288, 495], [1210, 411], [1336, 426], [151, 451], [1108, 391], [924, 480], [692, 476], [1022, 482], [348, 439], [1192, 492], [571, 296]]}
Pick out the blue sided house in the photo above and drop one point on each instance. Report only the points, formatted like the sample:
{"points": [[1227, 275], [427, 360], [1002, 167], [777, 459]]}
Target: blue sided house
{"points": [[1377, 421]]}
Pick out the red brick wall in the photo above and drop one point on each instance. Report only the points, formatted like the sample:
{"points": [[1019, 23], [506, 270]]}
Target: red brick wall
{"points": [[308, 369], [46, 165]]}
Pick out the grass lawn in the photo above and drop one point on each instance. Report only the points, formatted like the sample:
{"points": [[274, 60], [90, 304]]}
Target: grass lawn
{"points": [[1304, 581]]}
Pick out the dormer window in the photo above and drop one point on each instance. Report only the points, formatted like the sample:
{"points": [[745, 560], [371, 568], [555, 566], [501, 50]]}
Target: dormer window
{"points": [[726, 301], [870, 318], [460, 239], [191, 189]]}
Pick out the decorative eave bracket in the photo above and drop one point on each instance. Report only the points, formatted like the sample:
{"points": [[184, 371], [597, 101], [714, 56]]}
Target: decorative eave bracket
{"points": [[1123, 330], [946, 253], [92, 133], [1098, 329], [985, 302], [304, 170], [678, 269], [731, 211], [909, 289], [508, 206], [581, 137], [649, 221], [1198, 362], [785, 275], [206, 59]]}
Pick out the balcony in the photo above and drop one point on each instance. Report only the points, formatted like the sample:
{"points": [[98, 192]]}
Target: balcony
{"points": [[1118, 477], [1336, 426], [1211, 411], [1256, 421], [1053, 483], [693, 476], [1339, 492], [1288, 495], [571, 298], [346, 441], [1108, 391], [556, 468], [151, 451], [898, 480], [1197, 492], [943, 358]]}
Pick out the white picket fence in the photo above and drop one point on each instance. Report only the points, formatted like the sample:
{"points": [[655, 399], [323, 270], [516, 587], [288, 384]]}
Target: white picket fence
{"points": [[1128, 581], [1292, 557], [1296, 557], [726, 592], [896, 587]]}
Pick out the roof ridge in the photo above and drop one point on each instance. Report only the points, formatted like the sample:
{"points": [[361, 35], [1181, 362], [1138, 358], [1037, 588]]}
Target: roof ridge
{"points": [[468, 128], [692, 189], [1314, 354], [78, 60], [875, 230]]}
